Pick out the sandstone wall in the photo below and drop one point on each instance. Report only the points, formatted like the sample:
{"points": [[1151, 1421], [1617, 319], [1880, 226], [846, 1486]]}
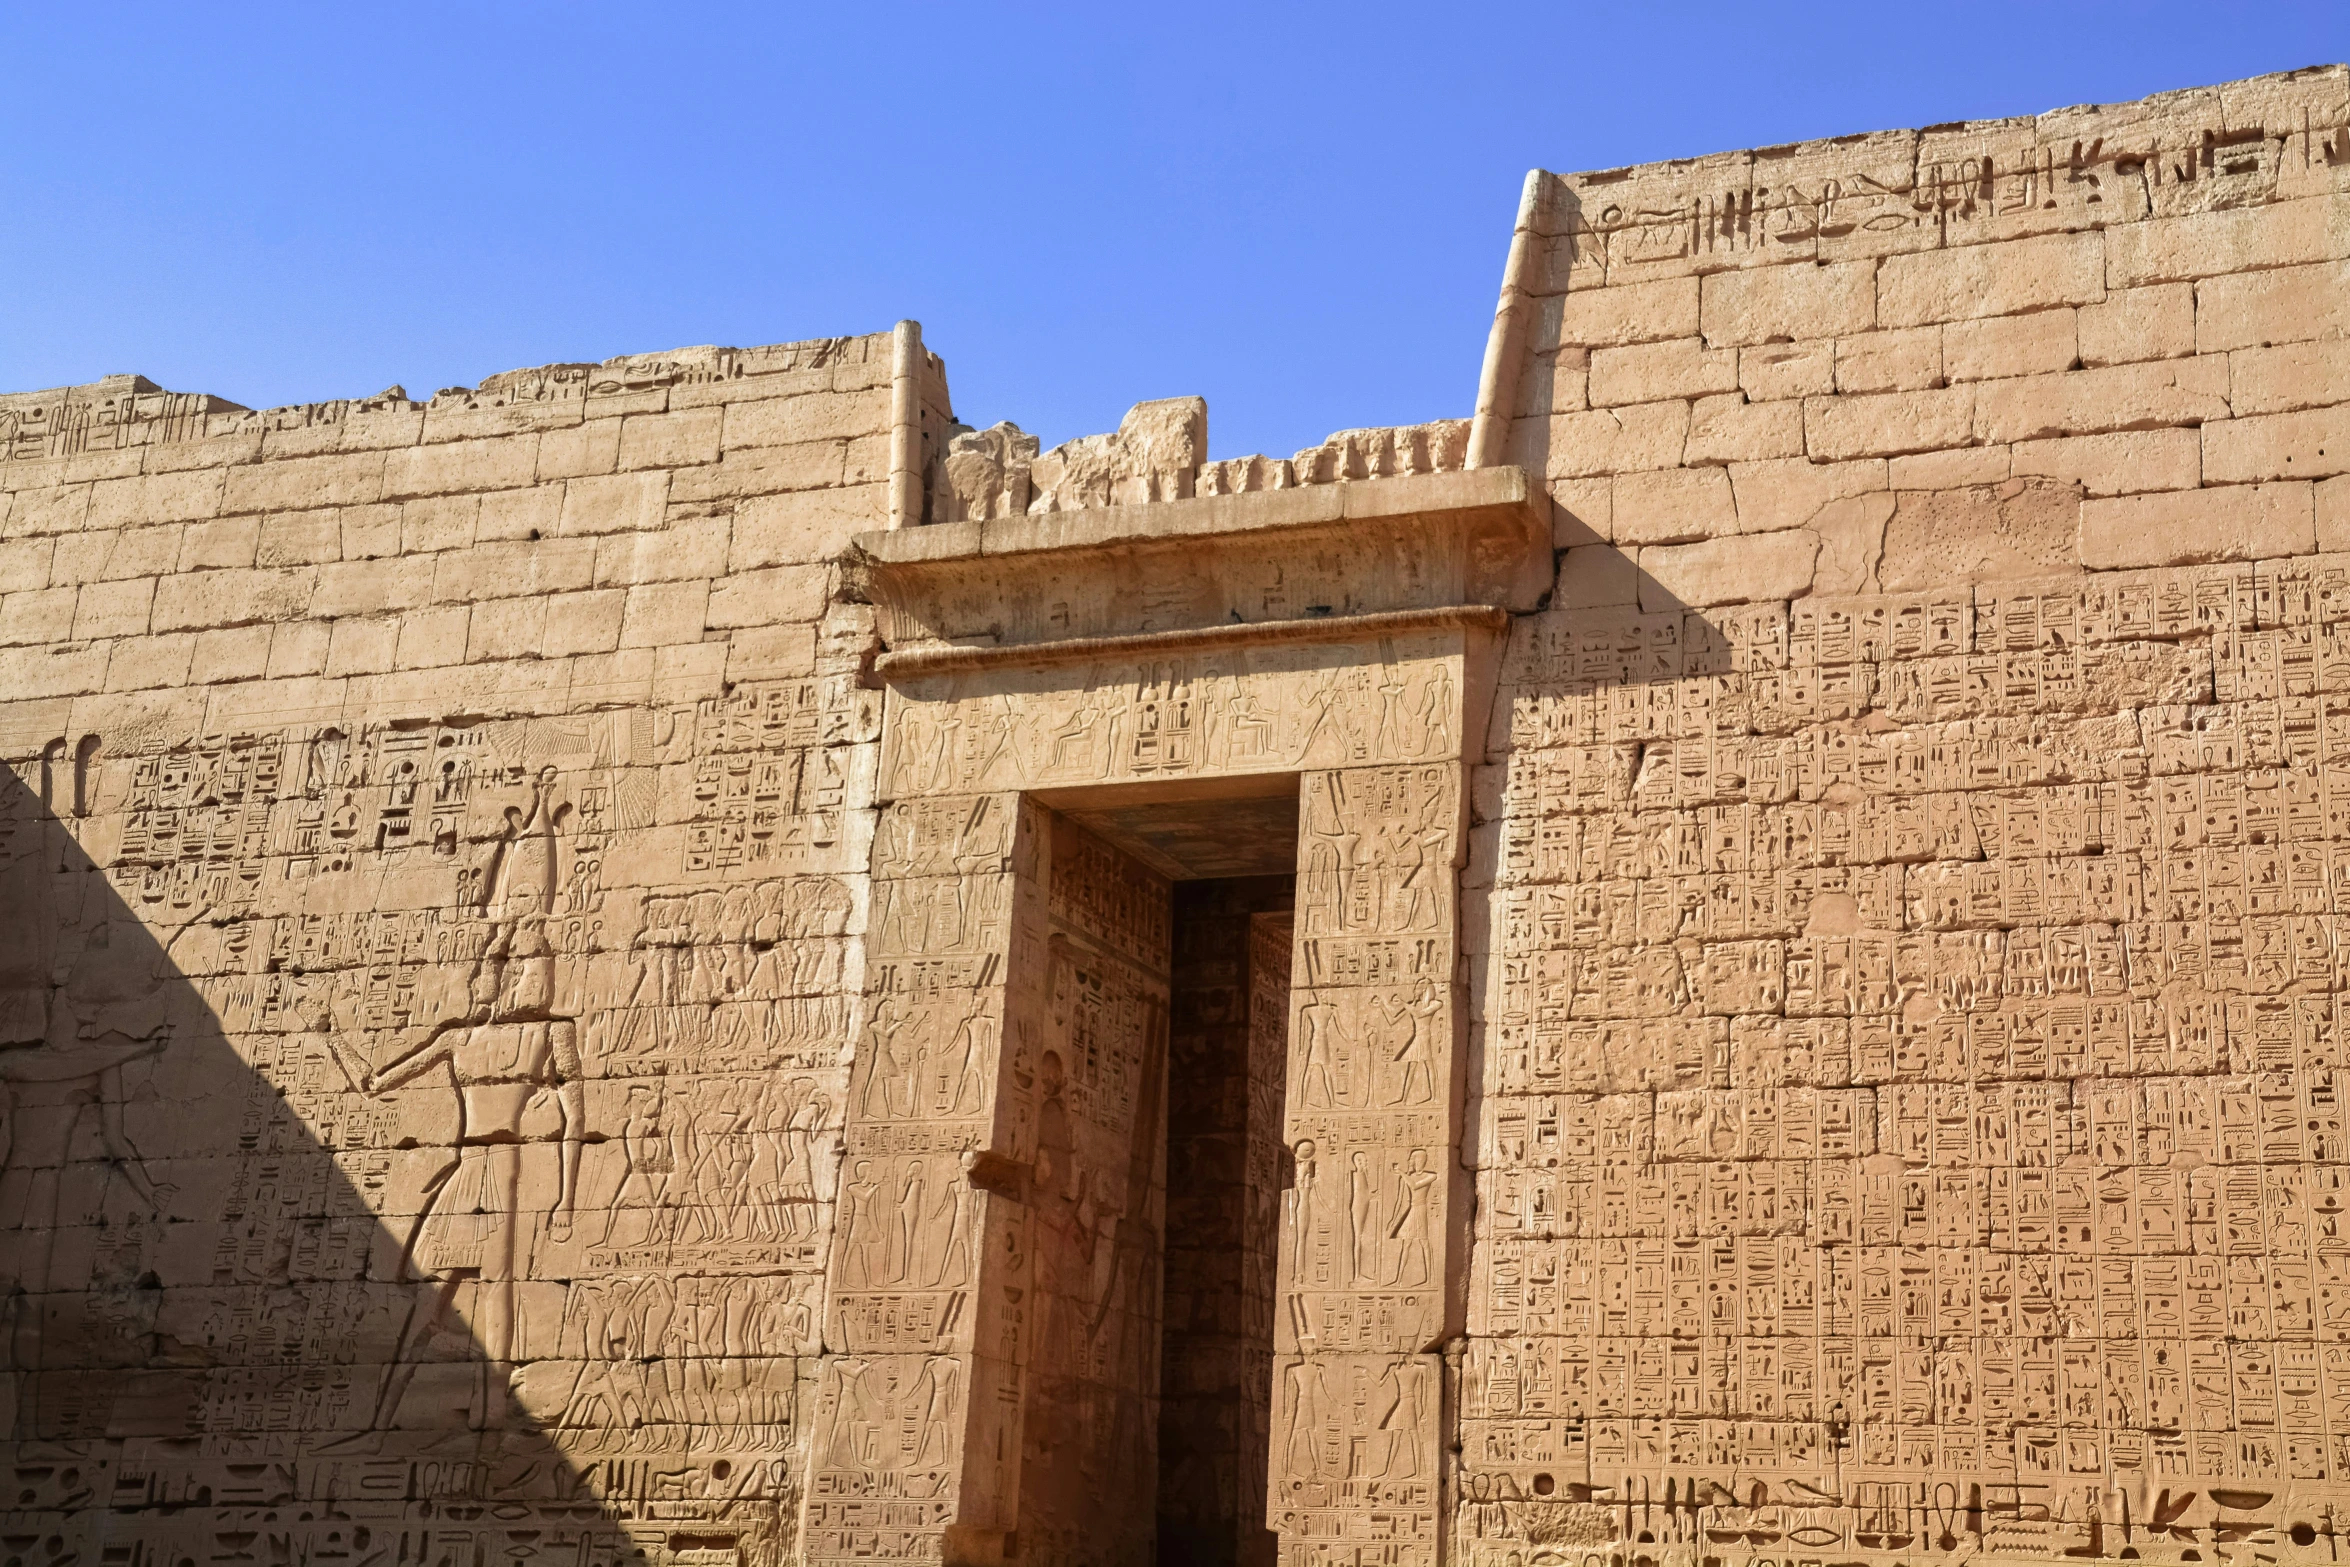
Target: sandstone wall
{"points": [[1911, 1026], [431, 869]]}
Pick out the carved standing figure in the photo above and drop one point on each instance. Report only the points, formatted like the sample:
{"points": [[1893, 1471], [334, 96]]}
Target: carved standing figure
{"points": [[512, 1050]]}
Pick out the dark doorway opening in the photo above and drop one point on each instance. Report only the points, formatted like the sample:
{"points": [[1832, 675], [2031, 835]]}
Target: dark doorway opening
{"points": [[1227, 1062], [1230, 852]]}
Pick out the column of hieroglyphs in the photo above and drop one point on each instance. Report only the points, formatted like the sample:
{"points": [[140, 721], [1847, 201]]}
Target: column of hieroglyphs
{"points": [[1096, 1204], [433, 841], [918, 1426], [1912, 1041], [1367, 1236]]}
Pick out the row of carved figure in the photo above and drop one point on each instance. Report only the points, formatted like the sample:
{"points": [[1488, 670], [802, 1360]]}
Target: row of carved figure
{"points": [[1159, 452]]}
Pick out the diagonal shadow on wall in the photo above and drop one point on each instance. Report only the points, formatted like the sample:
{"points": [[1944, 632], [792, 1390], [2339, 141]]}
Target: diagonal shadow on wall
{"points": [[216, 1350]]}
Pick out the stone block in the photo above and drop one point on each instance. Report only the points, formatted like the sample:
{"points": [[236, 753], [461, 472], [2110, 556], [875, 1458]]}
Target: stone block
{"points": [[1596, 576], [506, 628], [1627, 313], [305, 483], [37, 615], [2311, 444], [239, 653], [1751, 568], [2332, 498], [1775, 496], [507, 569], [687, 547], [1772, 371], [1652, 372], [766, 596], [444, 522], [372, 587], [2121, 464], [299, 538], [2092, 402], [1884, 425], [231, 541], [223, 450], [533, 513], [1729, 429], [461, 467], [133, 552], [113, 609], [2256, 309], [52, 509], [1961, 465], [2001, 278], [1906, 360], [190, 495], [772, 470], [1555, 382], [2212, 244], [587, 622], [458, 422], [581, 451], [2154, 322], [79, 557], [671, 440], [2294, 376], [1617, 440], [1997, 347], [1673, 505], [297, 648], [783, 652], [71, 669], [24, 563], [1581, 511], [200, 600], [362, 646], [433, 637], [660, 613], [1789, 303], [2227, 522], [812, 525], [370, 532], [617, 503], [1937, 540], [789, 421]]}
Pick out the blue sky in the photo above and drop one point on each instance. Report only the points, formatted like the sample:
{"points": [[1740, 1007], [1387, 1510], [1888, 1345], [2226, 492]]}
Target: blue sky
{"points": [[1298, 211]]}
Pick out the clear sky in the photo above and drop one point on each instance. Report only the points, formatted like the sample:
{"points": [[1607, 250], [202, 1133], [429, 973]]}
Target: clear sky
{"points": [[1300, 212]]}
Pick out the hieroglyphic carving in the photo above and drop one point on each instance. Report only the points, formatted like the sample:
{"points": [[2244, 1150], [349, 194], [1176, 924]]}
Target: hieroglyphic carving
{"points": [[1973, 1194], [1250, 710], [996, 1247], [1369, 1236], [416, 1116]]}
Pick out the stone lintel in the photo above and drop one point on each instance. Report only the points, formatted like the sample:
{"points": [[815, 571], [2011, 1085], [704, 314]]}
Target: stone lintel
{"points": [[1236, 564]]}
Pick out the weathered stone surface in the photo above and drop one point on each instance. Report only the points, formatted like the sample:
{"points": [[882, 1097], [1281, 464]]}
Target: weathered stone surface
{"points": [[1762, 983]]}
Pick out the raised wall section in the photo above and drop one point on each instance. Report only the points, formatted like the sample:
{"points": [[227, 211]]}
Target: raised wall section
{"points": [[1910, 1018]]}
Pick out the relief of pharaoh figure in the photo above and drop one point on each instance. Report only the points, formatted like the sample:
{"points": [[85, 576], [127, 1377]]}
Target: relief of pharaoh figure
{"points": [[510, 1059]]}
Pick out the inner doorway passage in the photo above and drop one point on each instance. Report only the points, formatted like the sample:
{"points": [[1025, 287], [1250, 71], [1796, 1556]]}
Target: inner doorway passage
{"points": [[1231, 862]]}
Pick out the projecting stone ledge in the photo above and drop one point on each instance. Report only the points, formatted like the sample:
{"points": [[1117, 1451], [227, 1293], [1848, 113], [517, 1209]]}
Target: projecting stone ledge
{"points": [[1342, 550]]}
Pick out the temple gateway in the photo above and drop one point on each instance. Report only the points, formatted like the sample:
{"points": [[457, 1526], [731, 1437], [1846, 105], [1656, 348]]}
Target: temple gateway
{"points": [[1733, 959]]}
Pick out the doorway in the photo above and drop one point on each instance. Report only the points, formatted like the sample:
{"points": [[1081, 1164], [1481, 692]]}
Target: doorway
{"points": [[1230, 864]]}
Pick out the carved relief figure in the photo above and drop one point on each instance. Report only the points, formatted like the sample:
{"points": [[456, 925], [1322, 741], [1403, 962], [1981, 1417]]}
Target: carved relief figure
{"points": [[511, 1061]]}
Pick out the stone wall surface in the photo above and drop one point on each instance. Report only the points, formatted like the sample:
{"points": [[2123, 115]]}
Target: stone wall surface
{"points": [[434, 856], [1821, 1043], [1911, 997]]}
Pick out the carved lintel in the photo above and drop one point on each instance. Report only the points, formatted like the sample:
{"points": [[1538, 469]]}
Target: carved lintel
{"points": [[916, 662]]}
